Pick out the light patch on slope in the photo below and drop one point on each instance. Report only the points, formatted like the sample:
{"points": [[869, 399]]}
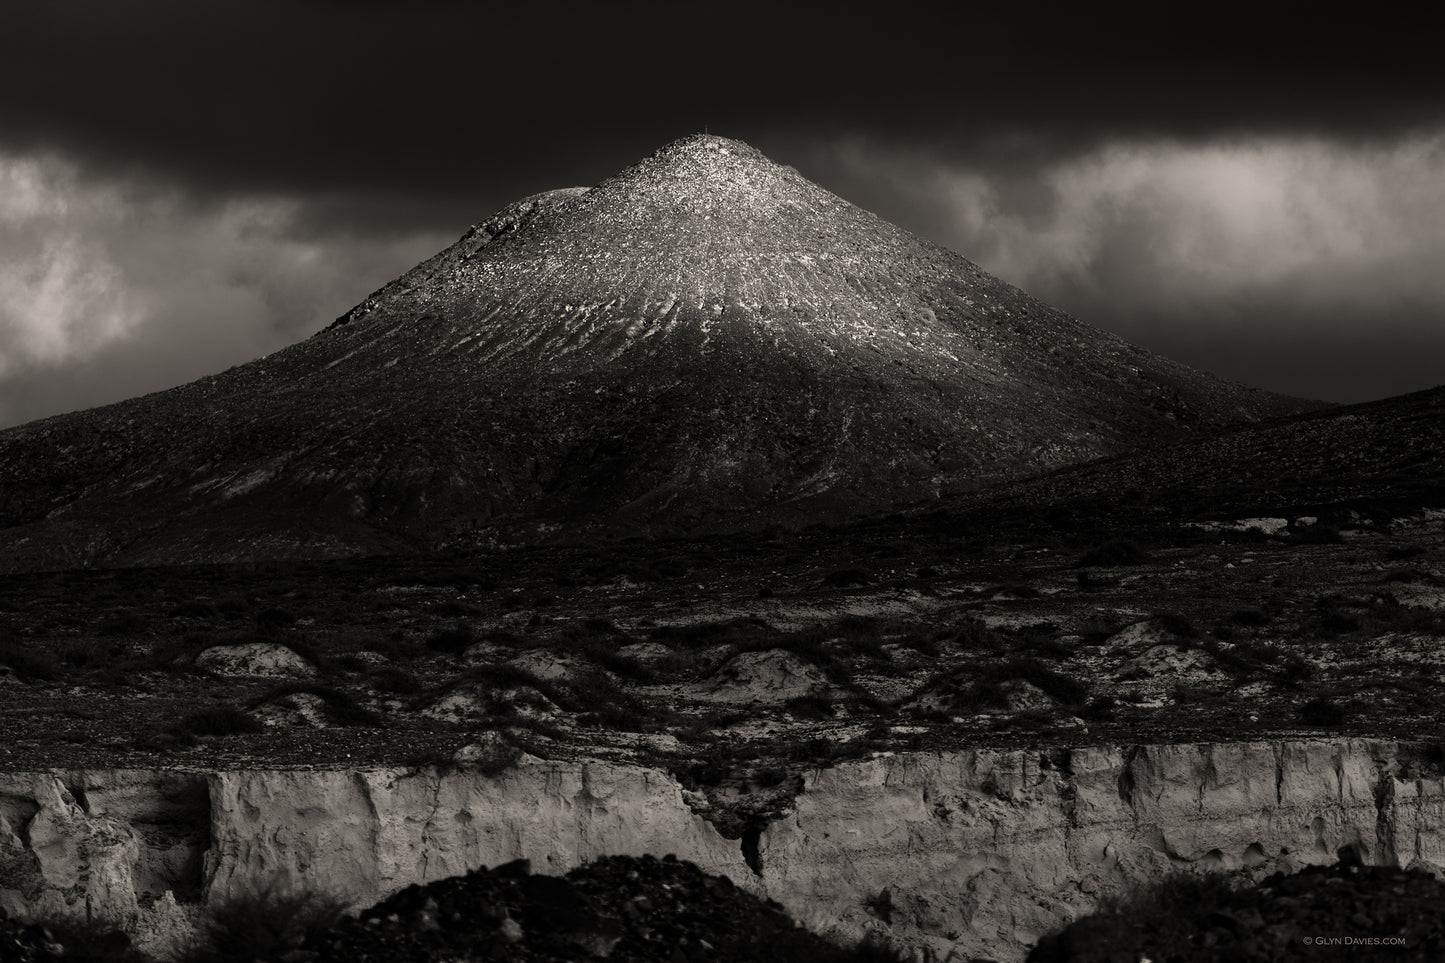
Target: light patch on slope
{"points": [[250, 481]]}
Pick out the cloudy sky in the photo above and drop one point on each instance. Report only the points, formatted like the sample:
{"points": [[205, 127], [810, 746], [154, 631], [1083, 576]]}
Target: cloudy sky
{"points": [[186, 186]]}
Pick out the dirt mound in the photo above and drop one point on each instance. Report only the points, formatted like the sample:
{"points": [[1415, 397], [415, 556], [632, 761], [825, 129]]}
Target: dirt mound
{"points": [[295, 710], [301, 705], [479, 699], [264, 659], [770, 676], [620, 908]]}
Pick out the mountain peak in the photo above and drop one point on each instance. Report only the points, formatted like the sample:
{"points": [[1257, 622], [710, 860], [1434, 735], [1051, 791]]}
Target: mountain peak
{"points": [[705, 171], [708, 149], [706, 340]]}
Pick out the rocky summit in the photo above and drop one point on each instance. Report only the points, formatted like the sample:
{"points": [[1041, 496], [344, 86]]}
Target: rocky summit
{"points": [[706, 341]]}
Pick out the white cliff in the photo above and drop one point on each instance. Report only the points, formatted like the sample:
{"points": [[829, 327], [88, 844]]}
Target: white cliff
{"points": [[982, 852], [951, 855], [366, 834]]}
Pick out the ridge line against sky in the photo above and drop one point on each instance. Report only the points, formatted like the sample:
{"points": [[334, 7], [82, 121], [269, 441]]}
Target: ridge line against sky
{"points": [[184, 188]]}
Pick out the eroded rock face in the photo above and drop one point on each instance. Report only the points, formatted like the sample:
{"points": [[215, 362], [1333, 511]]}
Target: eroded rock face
{"points": [[974, 853], [107, 845], [981, 853], [370, 833]]}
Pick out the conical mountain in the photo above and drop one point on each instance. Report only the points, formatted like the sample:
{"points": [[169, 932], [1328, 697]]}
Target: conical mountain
{"points": [[706, 340]]}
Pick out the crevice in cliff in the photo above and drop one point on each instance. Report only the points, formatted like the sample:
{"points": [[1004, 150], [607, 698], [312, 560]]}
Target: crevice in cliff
{"points": [[428, 826], [1063, 762], [1385, 816], [17, 813], [731, 812], [752, 836], [1278, 748], [373, 814], [1127, 786], [1337, 760], [1208, 779], [173, 827], [77, 793], [210, 854]]}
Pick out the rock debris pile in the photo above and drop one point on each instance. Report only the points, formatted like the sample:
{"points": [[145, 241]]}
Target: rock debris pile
{"points": [[620, 908]]}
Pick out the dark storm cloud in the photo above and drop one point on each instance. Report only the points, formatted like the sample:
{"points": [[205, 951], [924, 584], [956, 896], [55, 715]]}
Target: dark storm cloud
{"points": [[184, 186], [114, 288], [489, 101], [1300, 264]]}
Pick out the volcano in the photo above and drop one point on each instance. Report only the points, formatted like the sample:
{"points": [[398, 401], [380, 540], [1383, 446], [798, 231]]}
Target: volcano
{"points": [[705, 342]]}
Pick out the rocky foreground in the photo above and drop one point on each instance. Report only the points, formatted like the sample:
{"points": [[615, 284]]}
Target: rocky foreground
{"points": [[618, 908], [968, 854], [1344, 912], [666, 910], [956, 731]]}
